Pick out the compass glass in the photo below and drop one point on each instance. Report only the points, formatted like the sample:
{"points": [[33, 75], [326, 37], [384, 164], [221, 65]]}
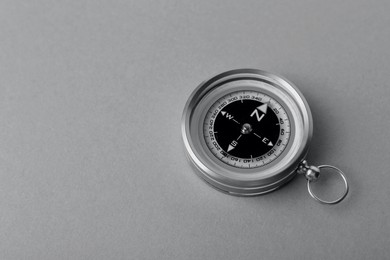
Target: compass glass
{"points": [[246, 129]]}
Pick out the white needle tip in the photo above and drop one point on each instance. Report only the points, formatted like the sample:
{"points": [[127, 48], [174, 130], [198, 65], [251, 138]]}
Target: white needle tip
{"points": [[263, 108]]}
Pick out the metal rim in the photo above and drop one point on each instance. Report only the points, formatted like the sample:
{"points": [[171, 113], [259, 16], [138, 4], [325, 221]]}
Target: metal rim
{"points": [[240, 185], [337, 170]]}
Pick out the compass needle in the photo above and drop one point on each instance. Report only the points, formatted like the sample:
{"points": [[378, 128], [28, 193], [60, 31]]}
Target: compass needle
{"points": [[236, 121], [257, 135]]}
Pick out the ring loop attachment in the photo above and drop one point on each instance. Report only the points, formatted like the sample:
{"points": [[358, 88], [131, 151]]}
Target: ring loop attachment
{"points": [[312, 173]]}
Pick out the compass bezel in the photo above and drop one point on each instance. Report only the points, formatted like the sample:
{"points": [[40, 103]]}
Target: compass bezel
{"points": [[243, 181], [248, 86]]}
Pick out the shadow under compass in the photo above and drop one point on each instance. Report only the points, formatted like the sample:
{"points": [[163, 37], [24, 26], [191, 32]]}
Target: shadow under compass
{"points": [[322, 140]]}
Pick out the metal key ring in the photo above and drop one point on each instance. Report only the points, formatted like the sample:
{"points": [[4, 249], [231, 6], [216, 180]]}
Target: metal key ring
{"points": [[333, 201]]}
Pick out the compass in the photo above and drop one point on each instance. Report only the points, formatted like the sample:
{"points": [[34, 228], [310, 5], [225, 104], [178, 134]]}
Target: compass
{"points": [[247, 133], [246, 129]]}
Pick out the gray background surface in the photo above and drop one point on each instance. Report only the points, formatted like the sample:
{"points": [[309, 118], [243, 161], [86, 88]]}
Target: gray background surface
{"points": [[91, 160]]}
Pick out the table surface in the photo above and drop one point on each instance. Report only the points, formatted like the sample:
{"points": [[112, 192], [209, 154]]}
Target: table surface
{"points": [[92, 164]]}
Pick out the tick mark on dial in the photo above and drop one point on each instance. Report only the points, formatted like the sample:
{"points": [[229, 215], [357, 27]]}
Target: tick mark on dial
{"points": [[257, 135]]}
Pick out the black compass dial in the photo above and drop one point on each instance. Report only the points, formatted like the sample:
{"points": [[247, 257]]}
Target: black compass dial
{"points": [[246, 129]]}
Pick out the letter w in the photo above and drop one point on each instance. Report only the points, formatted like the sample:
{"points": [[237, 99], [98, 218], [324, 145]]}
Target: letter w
{"points": [[229, 116]]}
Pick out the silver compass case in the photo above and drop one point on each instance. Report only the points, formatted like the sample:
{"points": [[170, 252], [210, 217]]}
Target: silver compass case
{"points": [[246, 181]]}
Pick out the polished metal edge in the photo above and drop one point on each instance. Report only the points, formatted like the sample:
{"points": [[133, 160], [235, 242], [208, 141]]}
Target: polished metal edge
{"points": [[244, 190]]}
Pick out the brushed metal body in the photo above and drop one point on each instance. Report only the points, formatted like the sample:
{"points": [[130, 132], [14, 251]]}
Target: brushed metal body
{"points": [[255, 181]]}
